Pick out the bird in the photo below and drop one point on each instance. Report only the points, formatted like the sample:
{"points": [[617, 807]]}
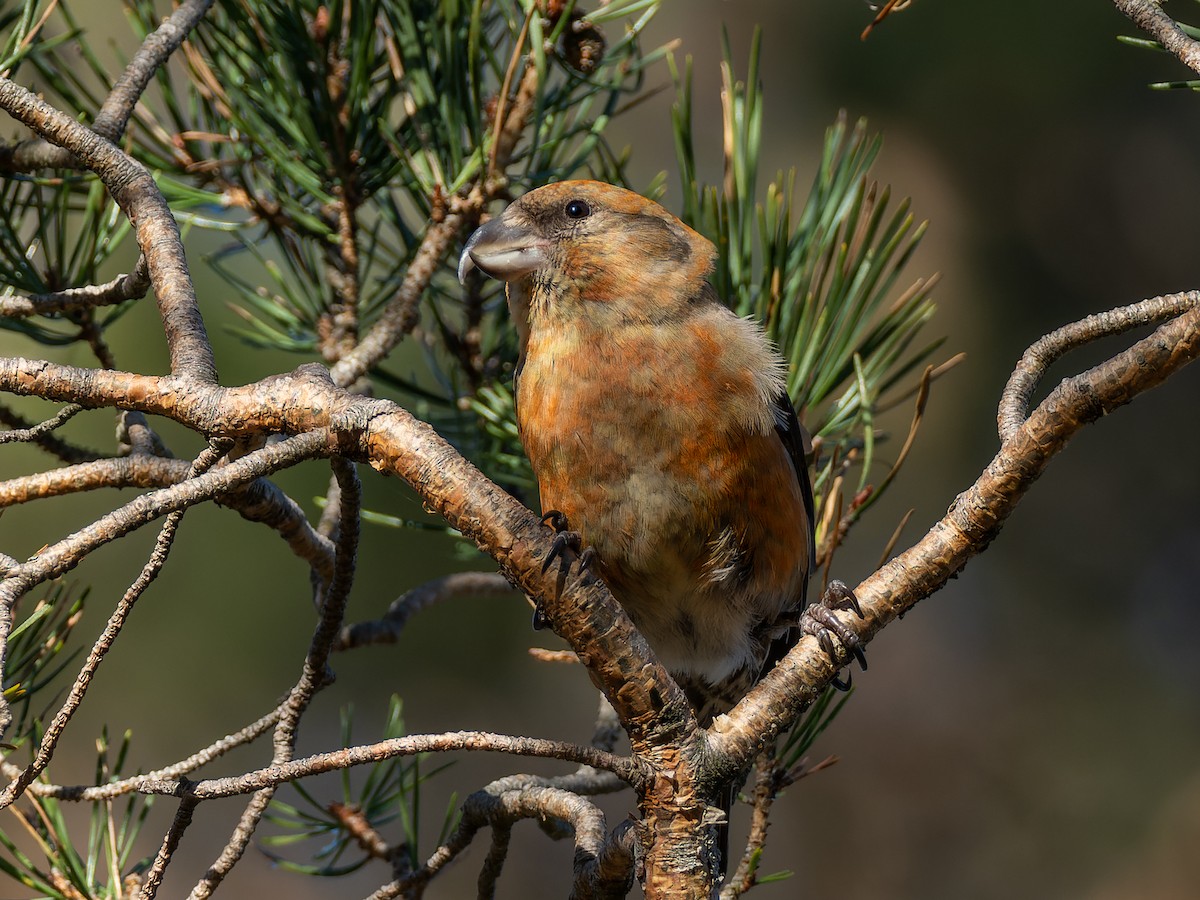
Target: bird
{"points": [[659, 429]]}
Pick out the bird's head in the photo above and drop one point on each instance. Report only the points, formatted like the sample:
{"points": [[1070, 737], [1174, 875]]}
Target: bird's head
{"points": [[593, 242]]}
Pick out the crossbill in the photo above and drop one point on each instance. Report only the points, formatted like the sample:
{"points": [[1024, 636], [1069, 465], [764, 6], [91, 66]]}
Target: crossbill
{"points": [[659, 428]]}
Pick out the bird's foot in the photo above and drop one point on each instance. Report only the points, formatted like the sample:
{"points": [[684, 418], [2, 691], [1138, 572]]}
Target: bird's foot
{"points": [[564, 540], [819, 621]]}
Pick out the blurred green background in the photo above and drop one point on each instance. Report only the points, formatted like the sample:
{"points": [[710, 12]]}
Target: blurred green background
{"points": [[1032, 730]]}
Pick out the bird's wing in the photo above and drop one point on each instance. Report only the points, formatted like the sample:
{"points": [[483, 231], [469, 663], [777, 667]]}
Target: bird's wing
{"points": [[798, 444]]}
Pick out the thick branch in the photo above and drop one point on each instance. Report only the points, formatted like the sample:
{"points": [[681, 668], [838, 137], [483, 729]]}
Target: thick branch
{"points": [[580, 608], [652, 708], [972, 522], [118, 106], [134, 190]]}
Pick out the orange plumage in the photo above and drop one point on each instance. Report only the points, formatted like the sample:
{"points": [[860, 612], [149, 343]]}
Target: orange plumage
{"points": [[657, 421]]}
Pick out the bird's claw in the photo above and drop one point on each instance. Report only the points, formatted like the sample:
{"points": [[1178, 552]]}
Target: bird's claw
{"points": [[555, 519], [819, 621], [839, 596], [564, 540]]}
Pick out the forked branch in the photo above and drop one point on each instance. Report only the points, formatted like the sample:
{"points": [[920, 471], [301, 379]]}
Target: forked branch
{"points": [[978, 514]]}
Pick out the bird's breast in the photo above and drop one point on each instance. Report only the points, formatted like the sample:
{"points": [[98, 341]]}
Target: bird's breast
{"points": [[621, 429]]}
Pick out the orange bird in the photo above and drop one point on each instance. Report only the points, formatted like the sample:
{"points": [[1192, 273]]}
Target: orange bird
{"points": [[659, 428]]}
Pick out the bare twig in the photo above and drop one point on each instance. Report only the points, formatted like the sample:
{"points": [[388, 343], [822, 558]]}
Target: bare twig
{"points": [[913, 428], [612, 876], [614, 867], [359, 827], [154, 875], [313, 677], [885, 10], [628, 770], [894, 539], [69, 552], [59, 558], [156, 49], [122, 288], [260, 501], [338, 329], [30, 435], [131, 785], [33, 32], [863, 501], [387, 630], [585, 781], [50, 443], [939, 370], [1149, 16], [331, 514], [127, 471], [541, 654], [136, 437], [104, 643], [770, 780], [518, 53], [607, 730], [766, 788], [264, 502], [235, 846], [601, 864], [400, 314], [118, 106], [1014, 401], [93, 335], [493, 863]]}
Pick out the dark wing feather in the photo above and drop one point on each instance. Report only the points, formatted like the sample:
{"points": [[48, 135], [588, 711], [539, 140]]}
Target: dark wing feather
{"points": [[798, 445]]}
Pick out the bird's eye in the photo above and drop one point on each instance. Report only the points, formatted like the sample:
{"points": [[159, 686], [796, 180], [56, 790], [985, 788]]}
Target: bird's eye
{"points": [[577, 209]]}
